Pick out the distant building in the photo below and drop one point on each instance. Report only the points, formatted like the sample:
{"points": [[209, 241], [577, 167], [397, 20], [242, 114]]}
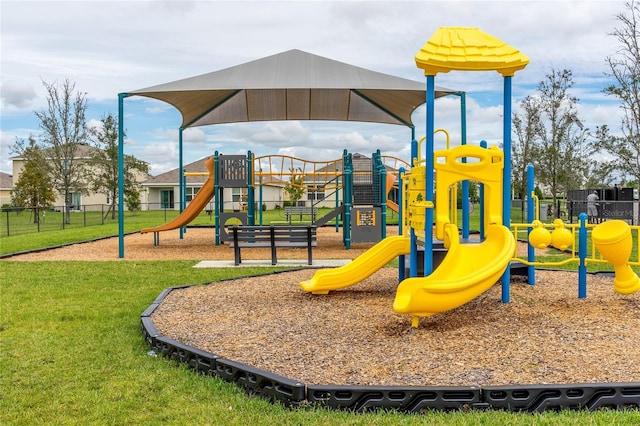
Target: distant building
{"points": [[6, 184], [78, 199]]}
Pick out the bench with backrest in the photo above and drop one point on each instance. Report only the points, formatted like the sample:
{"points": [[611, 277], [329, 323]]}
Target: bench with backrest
{"points": [[291, 211], [272, 236]]}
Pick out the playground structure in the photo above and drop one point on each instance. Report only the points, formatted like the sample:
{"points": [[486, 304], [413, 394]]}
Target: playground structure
{"points": [[361, 200], [470, 267], [417, 206], [359, 193]]}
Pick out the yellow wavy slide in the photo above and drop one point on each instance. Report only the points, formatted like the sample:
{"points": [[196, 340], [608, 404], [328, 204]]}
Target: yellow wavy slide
{"points": [[466, 272], [359, 268]]}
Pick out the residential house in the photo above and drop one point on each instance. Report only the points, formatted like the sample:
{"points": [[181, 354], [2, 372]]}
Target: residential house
{"points": [[6, 185], [78, 199], [163, 191]]}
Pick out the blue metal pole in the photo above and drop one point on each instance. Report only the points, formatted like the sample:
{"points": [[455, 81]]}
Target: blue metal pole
{"points": [[183, 196], [181, 180], [413, 254], [401, 258], [582, 254], [261, 201], [383, 204], [428, 223], [348, 182], [216, 194], [506, 175], [121, 97], [506, 179], [465, 183], [531, 251], [483, 144], [337, 200], [250, 194]]}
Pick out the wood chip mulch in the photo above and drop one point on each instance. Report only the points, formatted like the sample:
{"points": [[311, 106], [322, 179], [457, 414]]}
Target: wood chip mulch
{"points": [[353, 337]]}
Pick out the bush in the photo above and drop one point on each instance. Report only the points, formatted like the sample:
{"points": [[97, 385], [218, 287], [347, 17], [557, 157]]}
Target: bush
{"points": [[538, 193]]}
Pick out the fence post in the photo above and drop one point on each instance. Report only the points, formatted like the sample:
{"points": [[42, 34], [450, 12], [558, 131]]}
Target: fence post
{"points": [[8, 223]]}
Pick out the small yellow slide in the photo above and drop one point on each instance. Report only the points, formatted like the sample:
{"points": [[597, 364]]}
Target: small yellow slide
{"points": [[359, 268], [466, 272]]}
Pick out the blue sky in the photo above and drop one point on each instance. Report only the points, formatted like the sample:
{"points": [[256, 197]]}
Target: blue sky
{"points": [[111, 47]]}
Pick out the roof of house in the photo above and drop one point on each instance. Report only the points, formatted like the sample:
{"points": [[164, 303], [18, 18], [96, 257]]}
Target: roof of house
{"points": [[172, 177], [6, 181], [82, 151]]}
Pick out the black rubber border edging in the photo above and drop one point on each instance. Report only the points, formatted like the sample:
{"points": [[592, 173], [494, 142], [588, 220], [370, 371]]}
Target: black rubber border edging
{"points": [[532, 398]]}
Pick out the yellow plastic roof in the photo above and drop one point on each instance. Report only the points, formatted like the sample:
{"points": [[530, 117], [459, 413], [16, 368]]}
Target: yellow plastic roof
{"points": [[468, 49]]}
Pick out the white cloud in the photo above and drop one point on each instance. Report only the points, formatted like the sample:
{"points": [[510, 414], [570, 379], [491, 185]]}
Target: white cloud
{"points": [[155, 110], [17, 94], [109, 48], [6, 142], [271, 134], [161, 156]]}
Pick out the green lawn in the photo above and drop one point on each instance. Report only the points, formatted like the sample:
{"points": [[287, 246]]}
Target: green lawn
{"points": [[72, 353]]}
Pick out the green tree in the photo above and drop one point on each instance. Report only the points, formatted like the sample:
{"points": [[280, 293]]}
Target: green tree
{"points": [[625, 71], [33, 188], [474, 193], [295, 187], [104, 163], [64, 131], [132, 200], [528, 129], [562, 153]]}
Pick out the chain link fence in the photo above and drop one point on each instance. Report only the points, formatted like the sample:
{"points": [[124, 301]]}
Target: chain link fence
{"points": [[27, 220]]}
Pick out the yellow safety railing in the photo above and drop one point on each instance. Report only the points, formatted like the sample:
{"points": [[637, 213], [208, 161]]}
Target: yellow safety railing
{"points": [[565, 238]]}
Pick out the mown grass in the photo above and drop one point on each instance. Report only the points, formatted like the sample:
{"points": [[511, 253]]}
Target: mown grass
{"points": [[72, 353], [132, 223]]}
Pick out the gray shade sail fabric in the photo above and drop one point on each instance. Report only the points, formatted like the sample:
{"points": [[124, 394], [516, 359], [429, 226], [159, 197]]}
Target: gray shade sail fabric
{"points": [[292, 85]]}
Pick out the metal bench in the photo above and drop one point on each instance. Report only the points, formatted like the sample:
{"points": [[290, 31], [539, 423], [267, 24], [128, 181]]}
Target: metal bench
{"points": [[272, 236], [290, 211]]}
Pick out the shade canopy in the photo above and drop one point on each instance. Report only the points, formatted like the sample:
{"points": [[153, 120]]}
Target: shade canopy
{"points": [[293, 85]]}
